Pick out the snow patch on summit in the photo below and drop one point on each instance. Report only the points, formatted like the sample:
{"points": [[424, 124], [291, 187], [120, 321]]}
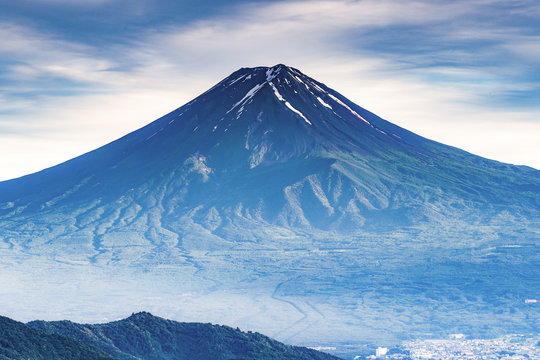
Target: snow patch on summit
{"points": [[287, 104], [318, 87], [276, 92], [300, 80], [297, 112], [236, 80], [348, 108], [271, 73], [248, 96], [323, 102]]}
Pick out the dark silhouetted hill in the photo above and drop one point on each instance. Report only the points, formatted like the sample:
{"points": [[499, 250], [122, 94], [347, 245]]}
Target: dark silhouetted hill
{"points": [[147, 337], [19, 341]]}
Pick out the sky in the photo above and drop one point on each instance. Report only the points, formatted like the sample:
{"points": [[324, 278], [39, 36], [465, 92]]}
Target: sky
{"points": [[77, 74]]}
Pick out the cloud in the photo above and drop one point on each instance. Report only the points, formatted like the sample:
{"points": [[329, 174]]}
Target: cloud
{"points": [[38, 62], [442, 69]]}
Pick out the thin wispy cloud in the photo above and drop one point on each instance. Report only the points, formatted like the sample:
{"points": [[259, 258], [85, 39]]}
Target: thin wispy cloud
{"points": [[441, 69]]}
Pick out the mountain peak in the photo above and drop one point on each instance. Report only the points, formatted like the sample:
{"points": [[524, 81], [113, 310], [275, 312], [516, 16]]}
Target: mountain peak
{"points": [[262, 75], [274, 71], [281, 108], [141, 315], [267, 69]]}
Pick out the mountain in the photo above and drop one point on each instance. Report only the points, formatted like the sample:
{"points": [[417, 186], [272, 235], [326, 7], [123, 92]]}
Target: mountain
{"points": [[141, 336], [147, 337], [289, 152], [273, 203], [19, 341]]}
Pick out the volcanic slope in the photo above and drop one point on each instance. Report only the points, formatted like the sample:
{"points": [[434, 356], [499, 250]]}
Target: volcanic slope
{"points": [[274, 203]]}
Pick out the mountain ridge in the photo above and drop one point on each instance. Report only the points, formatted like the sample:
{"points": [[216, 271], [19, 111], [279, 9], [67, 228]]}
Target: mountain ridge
{"points": [[141, 336], [148, 337], [18, 341]]}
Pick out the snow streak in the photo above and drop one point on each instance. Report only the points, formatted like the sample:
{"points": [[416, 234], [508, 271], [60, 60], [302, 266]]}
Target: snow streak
{"points": [[348, 108], [287, 104], [248, 96]]}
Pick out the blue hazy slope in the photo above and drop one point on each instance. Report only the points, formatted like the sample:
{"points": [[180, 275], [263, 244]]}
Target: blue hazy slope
{"points": [[273, 194], [260, 122]]}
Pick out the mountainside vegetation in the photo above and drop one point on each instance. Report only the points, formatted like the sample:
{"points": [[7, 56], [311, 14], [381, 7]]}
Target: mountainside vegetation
{"points": [[19, 341], [147, 337]]}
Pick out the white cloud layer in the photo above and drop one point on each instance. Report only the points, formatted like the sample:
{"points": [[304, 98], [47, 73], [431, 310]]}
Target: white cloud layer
{"points": [[124, 86]]}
